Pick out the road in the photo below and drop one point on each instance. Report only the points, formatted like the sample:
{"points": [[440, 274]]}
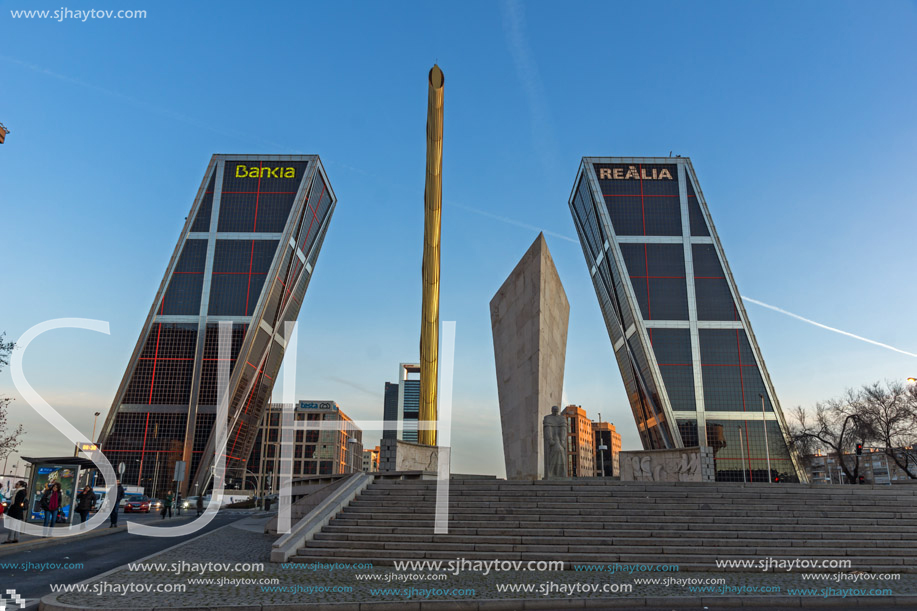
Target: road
{"points": [[97, 555]]}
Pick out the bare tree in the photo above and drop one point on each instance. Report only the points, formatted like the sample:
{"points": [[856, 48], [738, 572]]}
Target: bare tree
{"points": [[836, 427], [889, 413], [9, 439]]}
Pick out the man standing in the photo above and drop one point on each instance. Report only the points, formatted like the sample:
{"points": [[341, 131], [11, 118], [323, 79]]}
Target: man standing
{"points": [[178, 502], [167, 505], [17, 510], [114, 511]]}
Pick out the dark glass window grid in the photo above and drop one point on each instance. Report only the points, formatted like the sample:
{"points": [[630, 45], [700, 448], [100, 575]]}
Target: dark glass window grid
{"points": [[672, 349], [259, 204], [749, 454], [657, 274], [239, 271], [207, 394], [183, 295], [713, 297], [584, 207], [137, 439], [202, 220], [732, 381], [642, 207], [163, 372], [695, 215]]}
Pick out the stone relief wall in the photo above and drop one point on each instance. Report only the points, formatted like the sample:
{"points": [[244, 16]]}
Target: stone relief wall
{"points": [[678, 465]]}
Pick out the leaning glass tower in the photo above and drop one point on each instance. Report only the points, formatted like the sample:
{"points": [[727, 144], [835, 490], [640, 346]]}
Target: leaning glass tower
{"points": [[245, 255], [693, 371]]}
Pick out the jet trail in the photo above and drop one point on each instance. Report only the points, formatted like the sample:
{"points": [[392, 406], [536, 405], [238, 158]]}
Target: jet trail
{"points": [[818, 324]]}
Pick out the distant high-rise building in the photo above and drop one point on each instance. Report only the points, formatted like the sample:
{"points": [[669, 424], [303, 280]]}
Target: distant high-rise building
{"points": [[609, 458], [245, 256], [390, 410], [681, 337], [401, 408], [371, 460], [315, 452], [580, 442]]}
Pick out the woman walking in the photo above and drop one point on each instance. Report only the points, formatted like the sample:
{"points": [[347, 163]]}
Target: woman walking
{"points": [[85, 501]]}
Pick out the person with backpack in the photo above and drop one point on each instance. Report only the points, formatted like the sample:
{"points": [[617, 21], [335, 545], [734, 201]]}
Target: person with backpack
{"points": [[17, 509], [50, 503], [85, 501]]}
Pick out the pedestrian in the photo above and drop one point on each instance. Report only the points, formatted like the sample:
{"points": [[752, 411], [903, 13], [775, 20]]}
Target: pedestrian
{"points": [[200, 505], [178, 502], [49, 503], [167, 505], [119, 494], [85, 501], [16, 510]]}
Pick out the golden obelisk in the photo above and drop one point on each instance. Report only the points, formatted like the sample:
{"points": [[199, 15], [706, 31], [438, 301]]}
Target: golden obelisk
{"points": [[433, 204]]}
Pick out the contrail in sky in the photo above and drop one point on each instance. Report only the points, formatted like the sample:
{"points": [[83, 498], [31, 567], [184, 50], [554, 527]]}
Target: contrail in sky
{"points": [[510, 221], [818, 324]]}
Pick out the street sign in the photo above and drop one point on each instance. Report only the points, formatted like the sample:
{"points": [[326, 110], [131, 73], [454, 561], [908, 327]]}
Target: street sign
{"points": [[121, 467], [179, 471]]}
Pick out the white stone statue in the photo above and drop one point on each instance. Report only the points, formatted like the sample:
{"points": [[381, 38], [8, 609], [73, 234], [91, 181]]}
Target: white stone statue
{"points": [[555, 445]]}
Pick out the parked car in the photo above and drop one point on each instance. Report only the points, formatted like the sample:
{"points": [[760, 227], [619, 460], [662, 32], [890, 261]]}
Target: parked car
{"points": [[137, 505]]}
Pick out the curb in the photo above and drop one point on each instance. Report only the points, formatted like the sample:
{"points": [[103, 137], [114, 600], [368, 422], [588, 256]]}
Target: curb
{"points": [[650, 602]]}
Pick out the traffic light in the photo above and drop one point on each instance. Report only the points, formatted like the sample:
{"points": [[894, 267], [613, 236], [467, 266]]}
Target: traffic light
{"points": [[776, 479], [859, 449], [862, 480]]}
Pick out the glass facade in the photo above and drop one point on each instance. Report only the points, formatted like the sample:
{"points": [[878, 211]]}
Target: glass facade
{"points": [[685, 350], [246, 257]]}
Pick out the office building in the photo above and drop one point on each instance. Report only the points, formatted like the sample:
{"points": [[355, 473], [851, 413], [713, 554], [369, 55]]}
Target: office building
{"points": [[580, 442], [371, 460], [245, 257], [336, 447], [681, 336], [874, 466], [401, 407]]}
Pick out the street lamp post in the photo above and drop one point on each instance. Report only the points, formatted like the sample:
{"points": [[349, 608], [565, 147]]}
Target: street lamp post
{"points": [[742, 452], [767, 448], [94, 420], [602, 448]]}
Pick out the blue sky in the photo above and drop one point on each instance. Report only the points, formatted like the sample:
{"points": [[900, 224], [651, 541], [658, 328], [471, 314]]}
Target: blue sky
{"points": [[799, 119]]}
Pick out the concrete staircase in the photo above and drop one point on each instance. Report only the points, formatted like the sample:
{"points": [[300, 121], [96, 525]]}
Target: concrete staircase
{"points": [[590, 521]]}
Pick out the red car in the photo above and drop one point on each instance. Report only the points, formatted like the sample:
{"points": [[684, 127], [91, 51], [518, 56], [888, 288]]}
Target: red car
{"points": [[137, 505]]}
